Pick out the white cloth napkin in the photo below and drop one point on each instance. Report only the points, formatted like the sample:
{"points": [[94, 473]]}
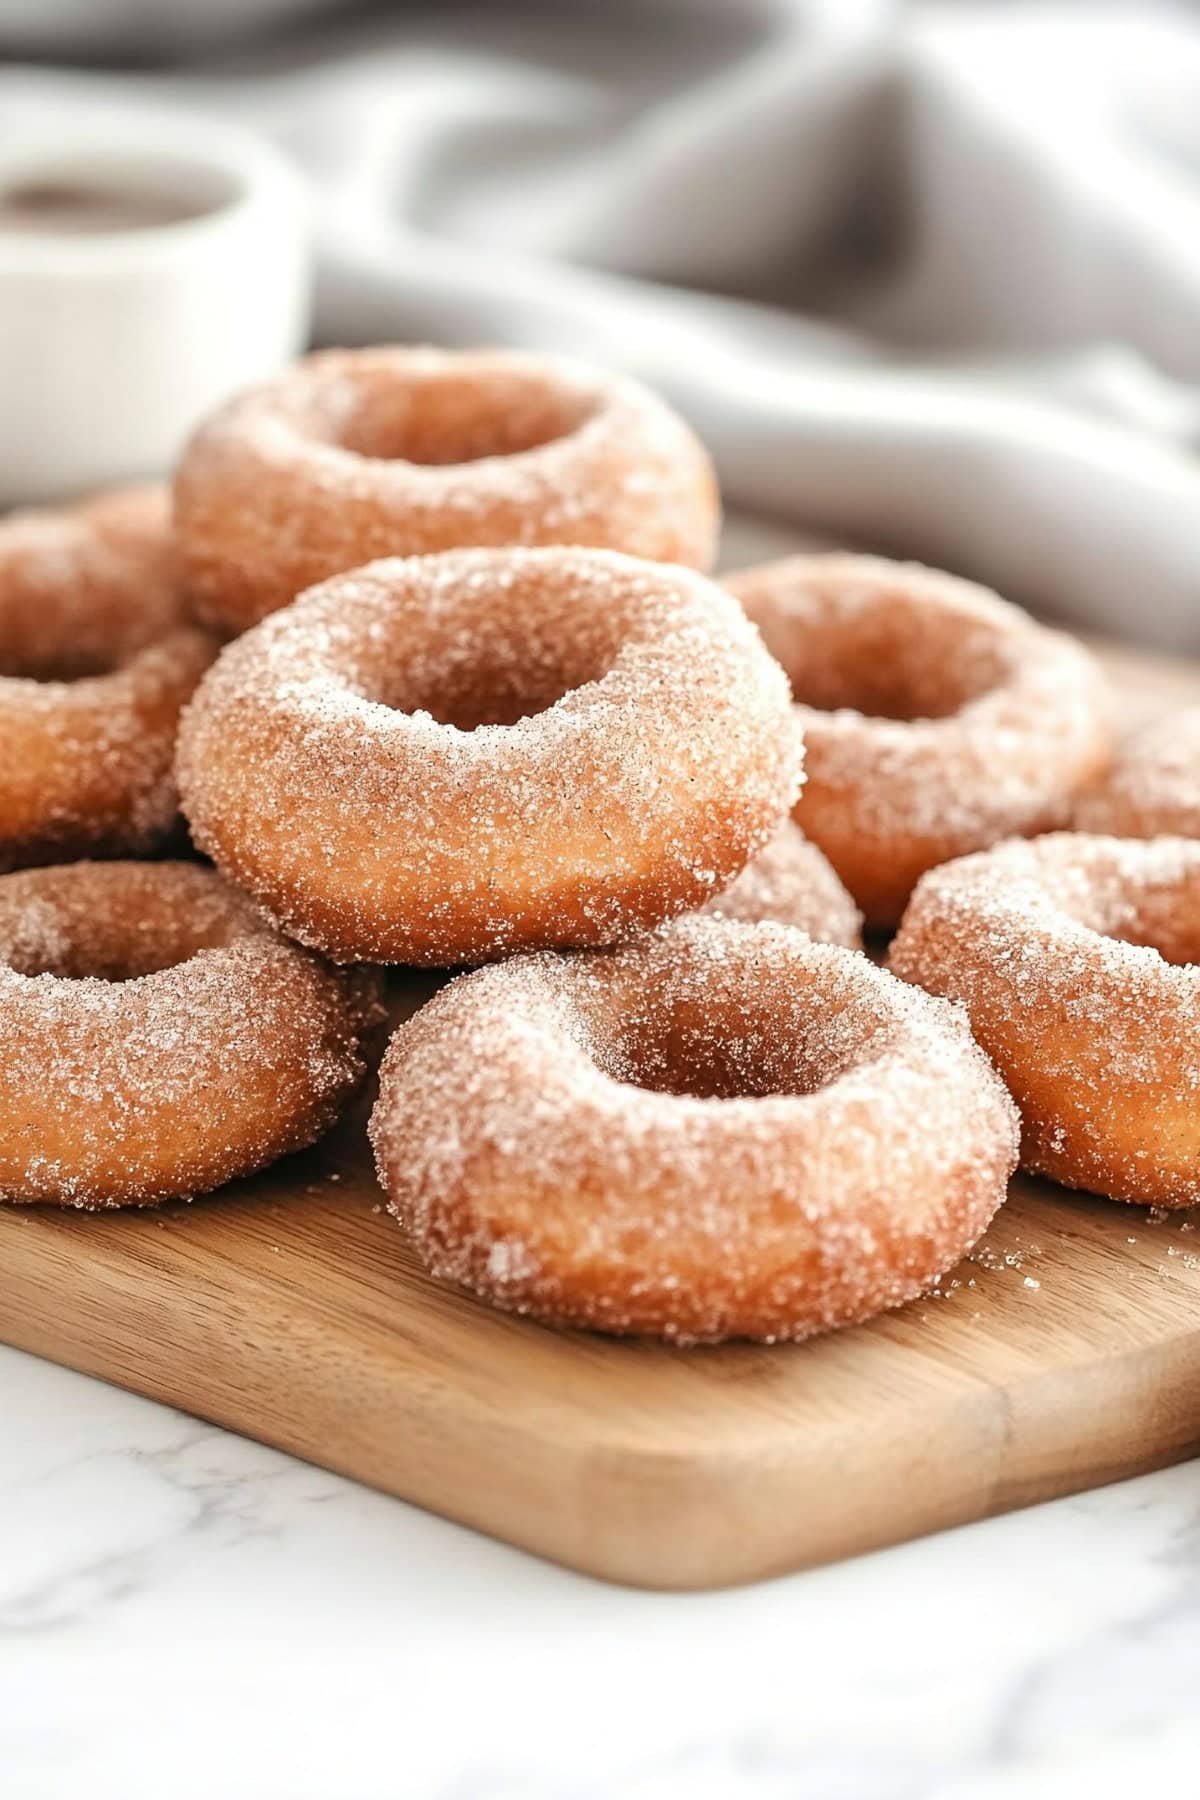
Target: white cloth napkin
{"points": [[925, 277]]}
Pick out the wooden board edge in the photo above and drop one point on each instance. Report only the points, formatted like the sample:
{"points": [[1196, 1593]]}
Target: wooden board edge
{"points": [[618, 1509]]}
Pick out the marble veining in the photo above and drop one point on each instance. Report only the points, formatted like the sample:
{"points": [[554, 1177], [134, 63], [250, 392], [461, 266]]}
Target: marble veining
{"points": [[186, 1614]]}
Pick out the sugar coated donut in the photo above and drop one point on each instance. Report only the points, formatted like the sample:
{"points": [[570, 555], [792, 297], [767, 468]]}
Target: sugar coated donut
{"points": [[156, 1037], [720, 1130], [95, 662], [1153, 787], [792, 883], [442, 759], [1076, 958], [937, 718], [358, 454]]}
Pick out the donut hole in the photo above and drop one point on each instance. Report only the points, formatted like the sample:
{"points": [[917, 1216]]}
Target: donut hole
{"points": [[1154, 913], [1174, 936], [882, 693], [72, 962], [77, 603], [93, 635], [47, 661], [469, 699], [1180, 949], [521, 671], [42, 943], [109, 922], [444, 418], [873, 647], [739, 1051], [875, 667], [692, 1062]]}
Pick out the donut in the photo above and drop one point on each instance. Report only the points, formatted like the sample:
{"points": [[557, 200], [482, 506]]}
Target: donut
{"points": [[1153, 787], [1076, 958], [719, 1130], [354, 455], [937, 718], [792, 883], [444, 759], [96, 660], [157, 1038]]}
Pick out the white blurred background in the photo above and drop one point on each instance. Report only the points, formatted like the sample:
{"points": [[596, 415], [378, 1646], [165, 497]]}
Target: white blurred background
{"points": [[924, 276]]}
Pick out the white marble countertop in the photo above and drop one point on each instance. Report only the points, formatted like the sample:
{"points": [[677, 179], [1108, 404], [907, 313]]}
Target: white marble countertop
{"points": [[188, 1616]]}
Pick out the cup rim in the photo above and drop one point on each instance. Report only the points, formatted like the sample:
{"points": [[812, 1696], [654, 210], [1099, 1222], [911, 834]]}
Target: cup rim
{"points": [[258, 177]]}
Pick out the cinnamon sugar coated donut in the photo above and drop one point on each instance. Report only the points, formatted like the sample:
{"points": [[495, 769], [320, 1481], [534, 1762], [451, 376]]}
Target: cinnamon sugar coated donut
{"points": [[1153, 787], [157, 1038], [937, 718], [358, 454], [446, 758], [1078, 960], [96, 660], [721, 1130], [792, 883]]}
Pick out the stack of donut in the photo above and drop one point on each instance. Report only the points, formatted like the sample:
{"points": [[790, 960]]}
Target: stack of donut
{"points": [[426, 656]]}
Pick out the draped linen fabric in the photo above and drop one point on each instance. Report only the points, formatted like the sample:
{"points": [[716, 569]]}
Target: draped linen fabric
{"points": [[925, 277]]}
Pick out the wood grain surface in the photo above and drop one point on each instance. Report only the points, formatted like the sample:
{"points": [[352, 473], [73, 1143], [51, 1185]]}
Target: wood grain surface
{"points": [[1065, 1353]]}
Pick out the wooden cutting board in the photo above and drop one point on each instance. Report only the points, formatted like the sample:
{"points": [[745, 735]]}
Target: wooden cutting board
{"points": [[1065, 1353]]}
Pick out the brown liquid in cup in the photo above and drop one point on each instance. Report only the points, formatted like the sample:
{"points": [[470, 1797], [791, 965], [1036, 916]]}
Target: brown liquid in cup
{"points": [[70, 209]]}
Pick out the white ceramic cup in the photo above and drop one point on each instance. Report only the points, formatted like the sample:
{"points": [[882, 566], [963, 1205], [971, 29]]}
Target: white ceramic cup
{"points": [[114, 342]]}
